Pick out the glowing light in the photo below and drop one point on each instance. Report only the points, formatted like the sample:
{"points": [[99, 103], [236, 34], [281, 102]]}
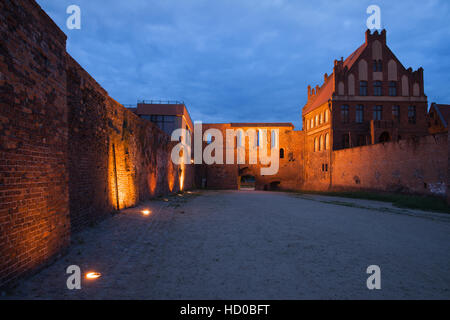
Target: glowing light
{"points": [[146, 212], [192, 161], [93, 275]]}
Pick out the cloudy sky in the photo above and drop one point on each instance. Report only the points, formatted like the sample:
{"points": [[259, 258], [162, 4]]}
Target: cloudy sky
{"points": [[244, 60]]}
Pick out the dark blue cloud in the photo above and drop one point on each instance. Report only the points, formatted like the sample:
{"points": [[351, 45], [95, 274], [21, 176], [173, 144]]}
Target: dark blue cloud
{"points": [[244, 60]]}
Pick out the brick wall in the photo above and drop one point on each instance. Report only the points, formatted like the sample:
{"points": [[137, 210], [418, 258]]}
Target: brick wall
{"points": [[34, 211], [69, 153], [109, 143], [227, 176], [414, 166]]}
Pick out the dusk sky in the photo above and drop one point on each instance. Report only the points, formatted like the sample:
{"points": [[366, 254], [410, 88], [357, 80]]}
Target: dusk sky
{"points": [[244, 60]]}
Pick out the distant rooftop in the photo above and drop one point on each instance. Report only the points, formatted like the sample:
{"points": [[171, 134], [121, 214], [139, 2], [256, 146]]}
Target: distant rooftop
{"points": [[160, 102]]}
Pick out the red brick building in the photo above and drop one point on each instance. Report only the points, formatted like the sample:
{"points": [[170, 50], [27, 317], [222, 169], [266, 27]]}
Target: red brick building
{"points": [[370, 97], [235, 176]]}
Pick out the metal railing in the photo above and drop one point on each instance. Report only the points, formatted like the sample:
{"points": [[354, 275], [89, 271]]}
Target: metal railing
{"points": [[160, 102]]}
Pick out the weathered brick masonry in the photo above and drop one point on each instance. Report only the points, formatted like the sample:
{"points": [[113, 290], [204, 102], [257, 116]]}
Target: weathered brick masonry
{"points": [[413, 166], [109, 143], [69, 153], [34, 212]]}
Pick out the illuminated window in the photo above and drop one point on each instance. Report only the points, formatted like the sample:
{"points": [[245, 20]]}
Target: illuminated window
{"points": [[320, 143], [239, 138], [208, 138], [274, 139]]}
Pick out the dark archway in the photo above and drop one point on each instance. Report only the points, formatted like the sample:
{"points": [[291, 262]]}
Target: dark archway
{"points": [[385, 137], [275, 185], [248, 182]]}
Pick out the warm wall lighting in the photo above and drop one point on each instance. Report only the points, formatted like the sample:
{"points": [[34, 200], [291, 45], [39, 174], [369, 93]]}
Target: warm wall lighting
{"points": [[146, 212], [93, 275]]}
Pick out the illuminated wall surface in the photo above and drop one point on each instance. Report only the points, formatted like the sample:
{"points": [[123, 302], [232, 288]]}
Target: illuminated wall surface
{"points": [[69, 154]]}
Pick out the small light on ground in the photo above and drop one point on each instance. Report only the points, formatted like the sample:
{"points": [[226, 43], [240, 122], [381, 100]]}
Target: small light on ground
{"points": [[146, 212], [93, 275]]}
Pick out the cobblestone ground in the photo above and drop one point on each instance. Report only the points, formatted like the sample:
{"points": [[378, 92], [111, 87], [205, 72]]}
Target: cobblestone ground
{"points": [[253, 245]]}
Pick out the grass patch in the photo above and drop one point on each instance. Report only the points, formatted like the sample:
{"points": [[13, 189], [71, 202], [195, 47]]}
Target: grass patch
{"points": [[425, 203]]}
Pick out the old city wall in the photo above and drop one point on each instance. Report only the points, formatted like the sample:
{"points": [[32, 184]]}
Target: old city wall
{"points": [[34, 199], [412, 166], [69, 153], [115, 158]]}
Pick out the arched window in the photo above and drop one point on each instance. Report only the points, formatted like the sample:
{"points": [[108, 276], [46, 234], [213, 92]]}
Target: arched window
{"points": [[312, 124], [317, 120], [327, 142], [274, 139], [281, 153], [320, 143], [209, 138], [315, 144], [326, 116], [239, 136], [321, 118]]}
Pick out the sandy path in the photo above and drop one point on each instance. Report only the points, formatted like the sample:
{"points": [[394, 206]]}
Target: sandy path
{"points": [[254, 245]]}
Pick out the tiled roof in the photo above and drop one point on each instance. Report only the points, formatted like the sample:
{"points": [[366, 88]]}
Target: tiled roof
{"points": [[443, 111]]}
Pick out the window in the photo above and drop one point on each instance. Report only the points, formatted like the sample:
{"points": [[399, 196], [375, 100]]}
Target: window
{"points": [[258, 138], [393, 88], [239, 136], [315, 144], [363, 88], [312, 124], [209, 138], [321, 118], [344, 114], [326, 116], [326, 145], [273, 139], [396, 113], [320, 143], [346, 141], [377, 89], [165, 123], [317, 121], [281, 153], [378, 113], [360, 114], [412, 114], [377, 66]]}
